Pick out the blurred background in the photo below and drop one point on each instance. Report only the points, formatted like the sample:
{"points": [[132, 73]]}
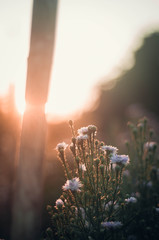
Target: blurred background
{"points": [[105, 72]]}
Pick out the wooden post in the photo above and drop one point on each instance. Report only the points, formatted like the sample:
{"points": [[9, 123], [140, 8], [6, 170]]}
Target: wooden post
{"points": [[28, 192]]}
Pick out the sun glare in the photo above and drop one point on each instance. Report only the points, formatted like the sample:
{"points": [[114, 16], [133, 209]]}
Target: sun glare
{"points": [[20, 105], [64, 103], [91, 40]]}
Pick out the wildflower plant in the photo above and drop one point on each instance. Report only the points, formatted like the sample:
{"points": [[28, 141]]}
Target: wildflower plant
{"points": [[89, 207], [141, 183], [144, 164]]}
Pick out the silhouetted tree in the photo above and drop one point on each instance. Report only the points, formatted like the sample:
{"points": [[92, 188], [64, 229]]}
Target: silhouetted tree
{"points": [[138, 86]]}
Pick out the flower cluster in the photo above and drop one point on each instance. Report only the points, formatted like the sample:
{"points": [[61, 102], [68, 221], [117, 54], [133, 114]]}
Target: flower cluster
{"points": [[107, 196], [142, 181], [90, 200], [114, 158]]}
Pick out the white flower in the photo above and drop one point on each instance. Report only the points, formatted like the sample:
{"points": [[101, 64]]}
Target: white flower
{"points": [[82, 137], [157, 210], [72, 185], [149, 184], [109, 148], [59, 203], [131, 200], [87, 130], [72, 146], [82, 167], [119, 159], [111, 225], [150, 145], [92, 129], [61, 146], [83, 131]]}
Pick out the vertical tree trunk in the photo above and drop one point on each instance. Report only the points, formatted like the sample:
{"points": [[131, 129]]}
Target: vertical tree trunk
{"points": [[28, 198], [28, 192]]}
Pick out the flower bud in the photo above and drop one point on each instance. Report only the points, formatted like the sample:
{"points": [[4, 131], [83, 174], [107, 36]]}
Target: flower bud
{"points": [[145, 120], [77, 160], [72, 148], [87, 196], [117, 168], [102, 144], [70, 122], [65, 195], [153, 174], [74, 140], [126, 143], [99, 195], [151, 132], [102, 159], [135, 132], [92, 129], [49, 208], [72, 220], [102, 169], [49, 232], [140, 126], [59, 203], [150, 146], [96, 162], [130, 125], [55, 216]]}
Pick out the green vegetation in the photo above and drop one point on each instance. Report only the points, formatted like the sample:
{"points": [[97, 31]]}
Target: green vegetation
{"points": [[106, 195]]}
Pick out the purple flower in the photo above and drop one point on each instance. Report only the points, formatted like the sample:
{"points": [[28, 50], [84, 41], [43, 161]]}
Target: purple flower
{"points": [[111, 225]]}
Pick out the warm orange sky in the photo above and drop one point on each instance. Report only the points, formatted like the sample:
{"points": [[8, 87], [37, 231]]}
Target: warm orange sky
{"points": [[94, 39]]}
